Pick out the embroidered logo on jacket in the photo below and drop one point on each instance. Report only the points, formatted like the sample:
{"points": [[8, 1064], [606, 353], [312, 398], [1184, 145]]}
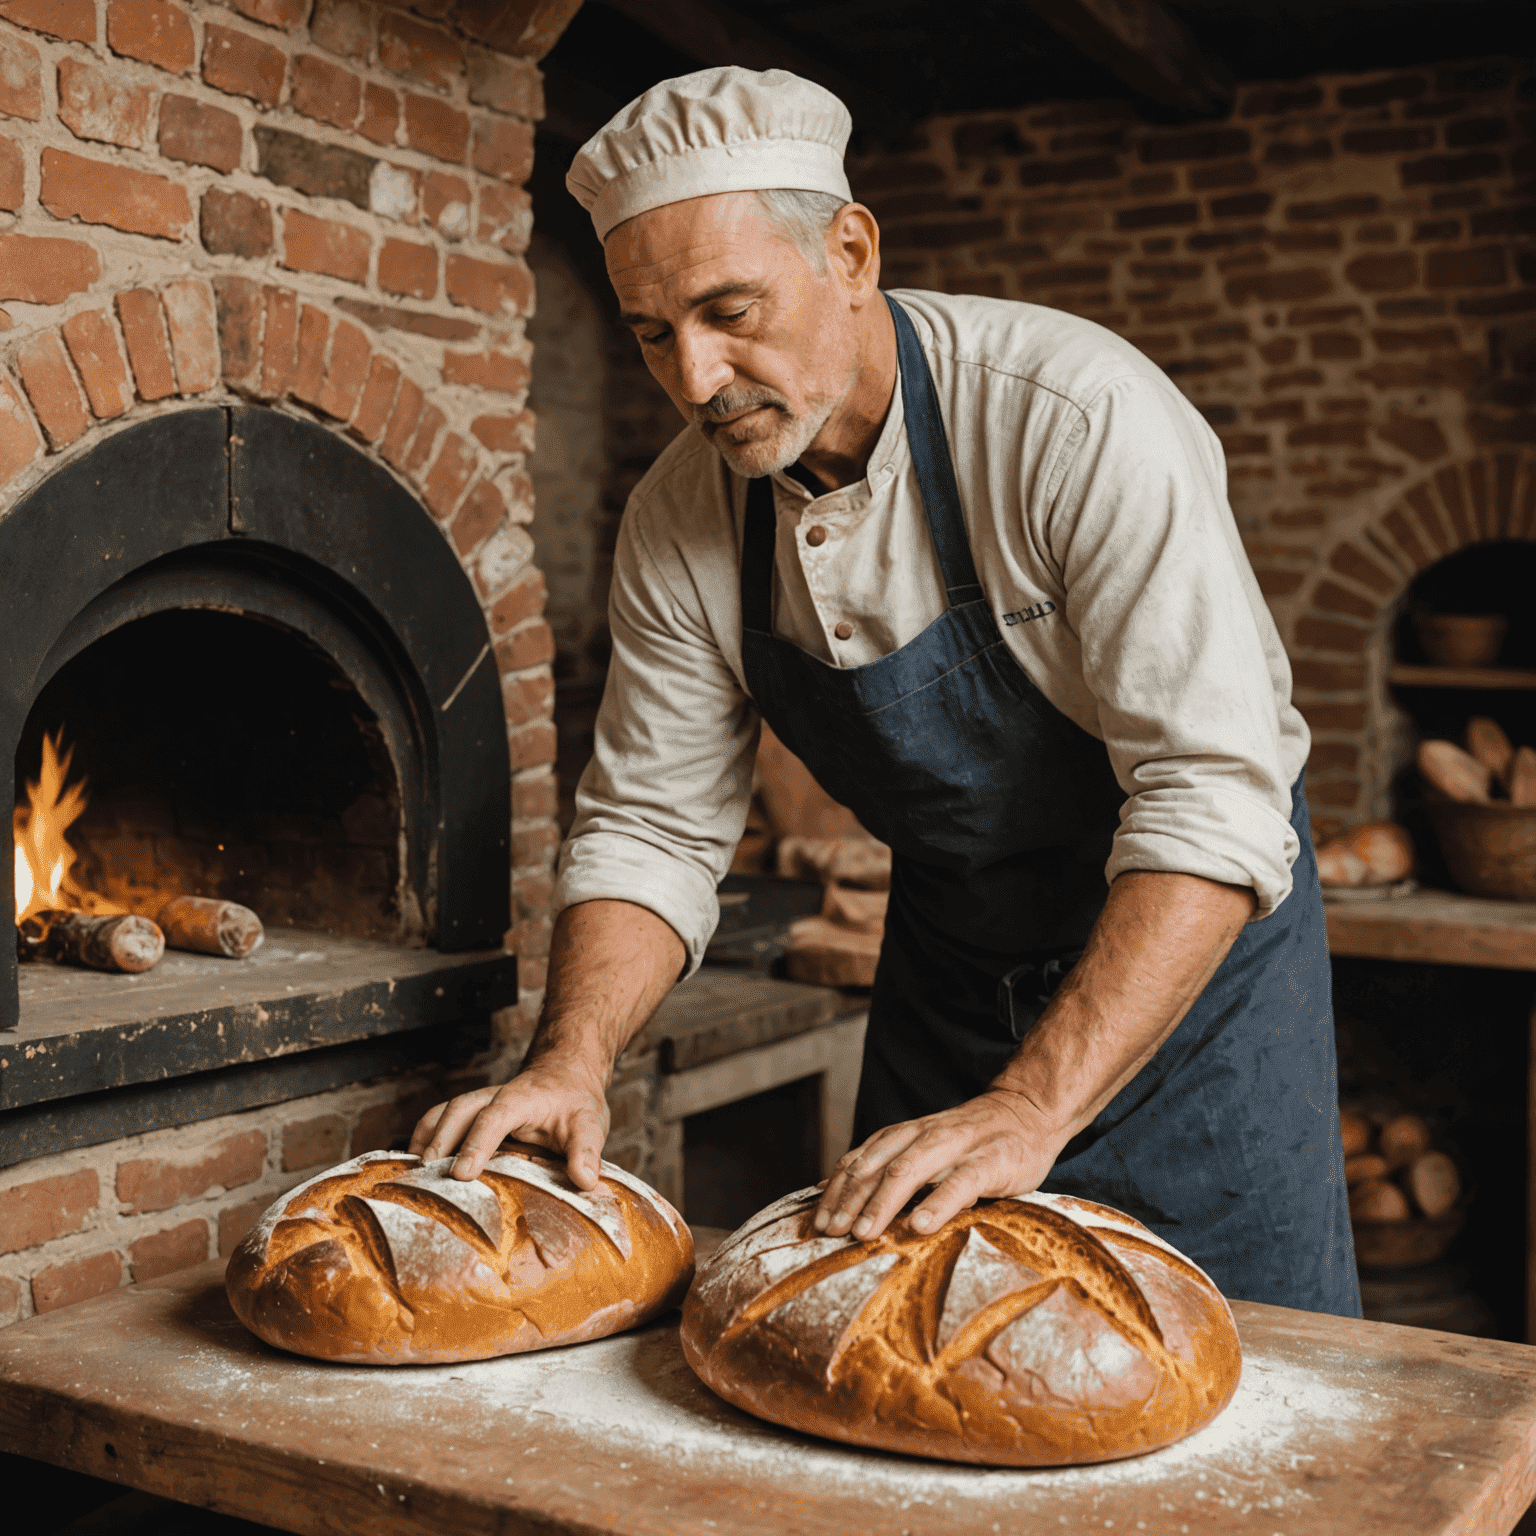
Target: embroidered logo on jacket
{"points": [[1024, 615]]}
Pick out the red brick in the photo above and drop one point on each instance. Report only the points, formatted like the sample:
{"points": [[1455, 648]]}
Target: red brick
{"points": [[427, 54], [45, 270], [157, 1183], [494, 288], [1387, 273], [375, 1129], [309, 371], [21, 79], [343, 26], [518, 489], [154, 31], [377, 398], [51, 387], [92, 341], [309, 1143], [323, 245], [163, 1253], [345, 372], [435, 128], [279, 346], [1328, 676], [1349, 561], [1481, 267], [1274, 583], [1419, 437], [10, 1300], [403, 420], [199, 134], [506, 217], [1328, 434], [505, 434], [533, 645], [242, 65], [235, 223], [326, 92], [505, 85], [65, 1284], [1278, 287], [236, 1220], [531, 747], [13, 174], [535, 796], [73, 20], [284, 14], [1330, 635], [381, 114], [503, 149], [239, 305], [445, 201], [39, 1211], [407, 267], [450, 472], [105, 192], [1387, 141], [19, 445], [93, 104], [194, 330], [478, 517], [420, 450], [525, 699], [149, 353]]}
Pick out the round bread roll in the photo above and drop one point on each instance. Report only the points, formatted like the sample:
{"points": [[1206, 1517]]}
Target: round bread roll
{"points": [[1031, 1332], [387, 1260]]}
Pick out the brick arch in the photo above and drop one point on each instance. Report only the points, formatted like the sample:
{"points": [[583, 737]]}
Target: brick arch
{"points": [[197, 341], [1341, 633]]}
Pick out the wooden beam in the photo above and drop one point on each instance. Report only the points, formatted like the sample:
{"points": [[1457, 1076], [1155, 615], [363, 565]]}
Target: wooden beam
{"points": [[1147, 47], [714, 36]]}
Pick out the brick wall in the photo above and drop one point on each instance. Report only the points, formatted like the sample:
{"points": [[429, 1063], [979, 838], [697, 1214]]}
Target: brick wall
{"points": [[1339, 277], [318, 205]]}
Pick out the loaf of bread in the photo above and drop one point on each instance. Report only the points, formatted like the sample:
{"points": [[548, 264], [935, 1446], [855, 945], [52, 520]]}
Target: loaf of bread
{"points": [[387, 1260], [1037, 1331]]}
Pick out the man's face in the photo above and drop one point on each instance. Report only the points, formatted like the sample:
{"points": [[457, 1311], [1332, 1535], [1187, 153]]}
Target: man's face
{"points": [[755, 346]]}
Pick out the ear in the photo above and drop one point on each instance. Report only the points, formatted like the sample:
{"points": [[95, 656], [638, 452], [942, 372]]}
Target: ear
{"points": [[853, 253]]}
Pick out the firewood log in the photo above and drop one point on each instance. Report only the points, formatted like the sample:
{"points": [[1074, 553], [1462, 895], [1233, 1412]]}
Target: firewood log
{"points": [[1434, 1183], [1454, 773], [1354, 1132], [1487, 742], [1363, 1166], [116, 942], [210, 927], [1522, 777], [1377, 1200], [1403, 1139]]}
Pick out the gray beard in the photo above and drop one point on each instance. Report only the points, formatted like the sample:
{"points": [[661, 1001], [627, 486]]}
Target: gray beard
{"points": [[767, 455]]}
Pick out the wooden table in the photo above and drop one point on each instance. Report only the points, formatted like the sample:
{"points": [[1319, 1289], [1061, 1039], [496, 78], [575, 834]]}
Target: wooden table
{"points": [[1338, 1429]]}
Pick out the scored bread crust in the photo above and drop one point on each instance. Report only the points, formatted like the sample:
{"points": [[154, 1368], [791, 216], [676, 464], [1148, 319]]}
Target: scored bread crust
{"points": [[387, 1260], [1037, 1331]]}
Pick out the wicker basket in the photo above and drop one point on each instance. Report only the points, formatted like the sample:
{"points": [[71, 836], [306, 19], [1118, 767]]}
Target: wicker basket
{"points": [[1490, 849], [1385, 1245]]}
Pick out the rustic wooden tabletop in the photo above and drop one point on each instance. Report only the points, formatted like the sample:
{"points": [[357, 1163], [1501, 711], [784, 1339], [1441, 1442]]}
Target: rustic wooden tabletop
{"points": [[1338, 1427]]}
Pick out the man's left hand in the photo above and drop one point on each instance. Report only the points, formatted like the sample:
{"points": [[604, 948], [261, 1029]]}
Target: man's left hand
{"points": [[990, 1146]]}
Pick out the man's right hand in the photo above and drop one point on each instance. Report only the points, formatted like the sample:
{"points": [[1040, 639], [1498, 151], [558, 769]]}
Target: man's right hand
{"points": [[548, 1104]]}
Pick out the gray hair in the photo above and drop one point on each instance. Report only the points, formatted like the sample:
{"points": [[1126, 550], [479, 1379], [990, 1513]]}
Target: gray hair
{"points": [[803, 219]]}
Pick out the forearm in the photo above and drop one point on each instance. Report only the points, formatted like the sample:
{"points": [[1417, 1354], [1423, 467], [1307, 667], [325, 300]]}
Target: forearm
{"points": [[610, 965], [1156, 944]]}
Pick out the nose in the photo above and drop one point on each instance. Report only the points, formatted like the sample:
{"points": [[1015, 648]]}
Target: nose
{"points": [[702, 367]]}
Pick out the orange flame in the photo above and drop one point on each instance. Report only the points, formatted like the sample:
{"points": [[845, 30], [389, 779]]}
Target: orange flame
{"points": [[44, 858]]}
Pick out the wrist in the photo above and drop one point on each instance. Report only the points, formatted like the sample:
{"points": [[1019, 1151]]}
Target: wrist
{"points": [[559, 1058], [1035, 1117]]}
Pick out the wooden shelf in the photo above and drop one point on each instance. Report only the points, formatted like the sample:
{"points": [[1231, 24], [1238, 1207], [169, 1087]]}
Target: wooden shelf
{"points": [[1405, 676], [1437, 927]]}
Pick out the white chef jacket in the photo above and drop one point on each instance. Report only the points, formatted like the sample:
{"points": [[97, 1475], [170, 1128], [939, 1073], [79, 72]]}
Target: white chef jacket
{"points": [[1095, 503]]}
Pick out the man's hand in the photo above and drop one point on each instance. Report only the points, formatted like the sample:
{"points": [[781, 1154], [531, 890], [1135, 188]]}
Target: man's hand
{"points": [[989, 1146], [547, 1105]]}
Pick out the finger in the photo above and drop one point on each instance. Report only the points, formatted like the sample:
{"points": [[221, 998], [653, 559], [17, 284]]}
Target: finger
{"points": [[584, 1149], [850, 1188], [456, 1118], [929, 1158], [422, 1135], [503, 1117], [958, 1191]]}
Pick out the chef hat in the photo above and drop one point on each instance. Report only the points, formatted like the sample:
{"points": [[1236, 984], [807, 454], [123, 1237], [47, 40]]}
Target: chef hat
{"points": [[719, 130]]}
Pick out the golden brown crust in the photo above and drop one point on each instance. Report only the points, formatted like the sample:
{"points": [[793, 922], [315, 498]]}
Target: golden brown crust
{"points": [[1039, 1331], [389, 1261]]}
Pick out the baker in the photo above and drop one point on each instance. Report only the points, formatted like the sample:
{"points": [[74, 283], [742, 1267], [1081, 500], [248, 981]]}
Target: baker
{"points": [[973, 561]]}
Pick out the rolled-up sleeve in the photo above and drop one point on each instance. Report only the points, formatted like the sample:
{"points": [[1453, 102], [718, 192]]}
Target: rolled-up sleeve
{"points": [[662, 805], [1170, 621]]}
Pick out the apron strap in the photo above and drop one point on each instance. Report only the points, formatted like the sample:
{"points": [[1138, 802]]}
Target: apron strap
{"points": [[935, 479], [930, 458]]}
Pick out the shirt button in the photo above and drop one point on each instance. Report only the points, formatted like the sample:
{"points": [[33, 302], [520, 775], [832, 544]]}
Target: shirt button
{"points": [[844, 631], [816, 536]]}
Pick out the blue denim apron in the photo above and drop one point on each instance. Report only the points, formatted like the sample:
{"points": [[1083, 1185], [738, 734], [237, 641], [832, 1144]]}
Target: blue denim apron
{"points": [[1000, 812]]}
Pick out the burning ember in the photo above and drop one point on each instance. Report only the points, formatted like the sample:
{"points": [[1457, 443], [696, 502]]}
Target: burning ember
{"points": [[58, 919]]}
